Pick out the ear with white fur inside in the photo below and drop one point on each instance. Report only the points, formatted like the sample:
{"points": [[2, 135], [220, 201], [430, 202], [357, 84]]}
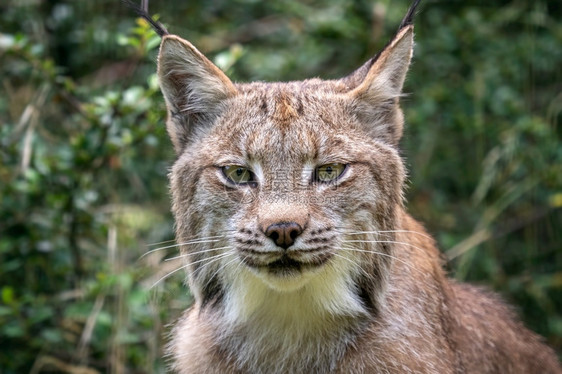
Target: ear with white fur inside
{"points": [[193, 87], [376, 95]]}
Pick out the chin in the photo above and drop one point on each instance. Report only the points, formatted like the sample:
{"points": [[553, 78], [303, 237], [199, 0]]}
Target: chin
{"points": [[286, 280], [287, 274]]}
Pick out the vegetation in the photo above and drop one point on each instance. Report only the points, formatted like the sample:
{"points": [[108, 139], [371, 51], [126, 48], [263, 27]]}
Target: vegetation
{"points": [[84, 156]]}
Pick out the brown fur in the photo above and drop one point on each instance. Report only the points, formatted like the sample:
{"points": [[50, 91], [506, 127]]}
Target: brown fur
{"points": [[369, 294]]}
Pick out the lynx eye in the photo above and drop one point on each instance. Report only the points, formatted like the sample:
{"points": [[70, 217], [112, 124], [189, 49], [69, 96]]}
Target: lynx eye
{"points": [[238, 174], [329, 172]]}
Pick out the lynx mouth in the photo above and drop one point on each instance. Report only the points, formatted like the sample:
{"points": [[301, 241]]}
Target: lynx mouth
{"points": [[284, 266], [288, 266]]}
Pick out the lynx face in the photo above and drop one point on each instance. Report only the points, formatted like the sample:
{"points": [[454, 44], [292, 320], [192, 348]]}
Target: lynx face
{"points": [[284, 194], [284, 187]]}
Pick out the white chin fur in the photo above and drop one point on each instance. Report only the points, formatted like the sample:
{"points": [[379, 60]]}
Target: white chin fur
{"points": [[304, 296], [286, 283]]}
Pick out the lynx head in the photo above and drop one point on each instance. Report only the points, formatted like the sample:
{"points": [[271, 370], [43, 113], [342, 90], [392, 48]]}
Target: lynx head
{"points": [[284, 189]]}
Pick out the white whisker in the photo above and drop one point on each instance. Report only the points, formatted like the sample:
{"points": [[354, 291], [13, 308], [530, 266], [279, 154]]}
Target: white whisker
{"points": [[220, 255], [168, 275], [382, 241], [162, 242], [194, 237], [195, 253], [221, 268], [381, 254], [214, 258], [350, 260], [210, 259], [196, 241], [384, 232]]}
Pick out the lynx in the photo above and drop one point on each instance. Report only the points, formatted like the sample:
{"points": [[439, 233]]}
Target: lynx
{"points": [[289, 208]]}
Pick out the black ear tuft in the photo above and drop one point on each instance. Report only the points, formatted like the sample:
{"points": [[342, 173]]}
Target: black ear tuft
{"points": [[409, 17], [143, 12]]}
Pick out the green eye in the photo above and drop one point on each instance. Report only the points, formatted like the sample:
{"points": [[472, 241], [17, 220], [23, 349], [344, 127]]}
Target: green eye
{"points": [[329, 172], [238, 174]]}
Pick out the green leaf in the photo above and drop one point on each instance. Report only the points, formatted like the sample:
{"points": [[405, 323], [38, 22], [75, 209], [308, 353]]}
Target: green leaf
{"points": [[8, 295]]}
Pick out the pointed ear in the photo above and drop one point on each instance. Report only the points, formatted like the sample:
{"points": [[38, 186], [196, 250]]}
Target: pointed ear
{"points": [[193, 87], [376, 87]]}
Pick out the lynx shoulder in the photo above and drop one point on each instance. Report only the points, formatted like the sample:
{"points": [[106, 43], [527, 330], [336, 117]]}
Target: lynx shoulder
{"points": [[288, 199]]}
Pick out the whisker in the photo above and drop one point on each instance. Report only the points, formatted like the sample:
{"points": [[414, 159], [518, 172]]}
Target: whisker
{"points": [[158, 243], [194, 237], [350, 260], [240, 263], [196, 241], [212, 259], [382, 241], [409, 232], [195, 253], [168, 275], [221, 268], [215, 258], [385, 231], [382, 254]]}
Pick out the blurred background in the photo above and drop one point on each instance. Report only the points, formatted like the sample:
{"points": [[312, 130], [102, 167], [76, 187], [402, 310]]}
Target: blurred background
{"points": [[84, 156]]}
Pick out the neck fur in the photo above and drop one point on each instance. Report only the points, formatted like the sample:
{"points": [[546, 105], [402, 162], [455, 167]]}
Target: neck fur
{"points": [[264, 329]]}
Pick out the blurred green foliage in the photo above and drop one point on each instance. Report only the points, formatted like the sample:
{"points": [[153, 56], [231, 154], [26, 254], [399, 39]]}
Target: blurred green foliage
{"points": [[84, 155]]}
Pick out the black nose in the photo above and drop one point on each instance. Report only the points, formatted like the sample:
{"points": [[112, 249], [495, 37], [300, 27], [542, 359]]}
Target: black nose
{"points": [[284, 233]]}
